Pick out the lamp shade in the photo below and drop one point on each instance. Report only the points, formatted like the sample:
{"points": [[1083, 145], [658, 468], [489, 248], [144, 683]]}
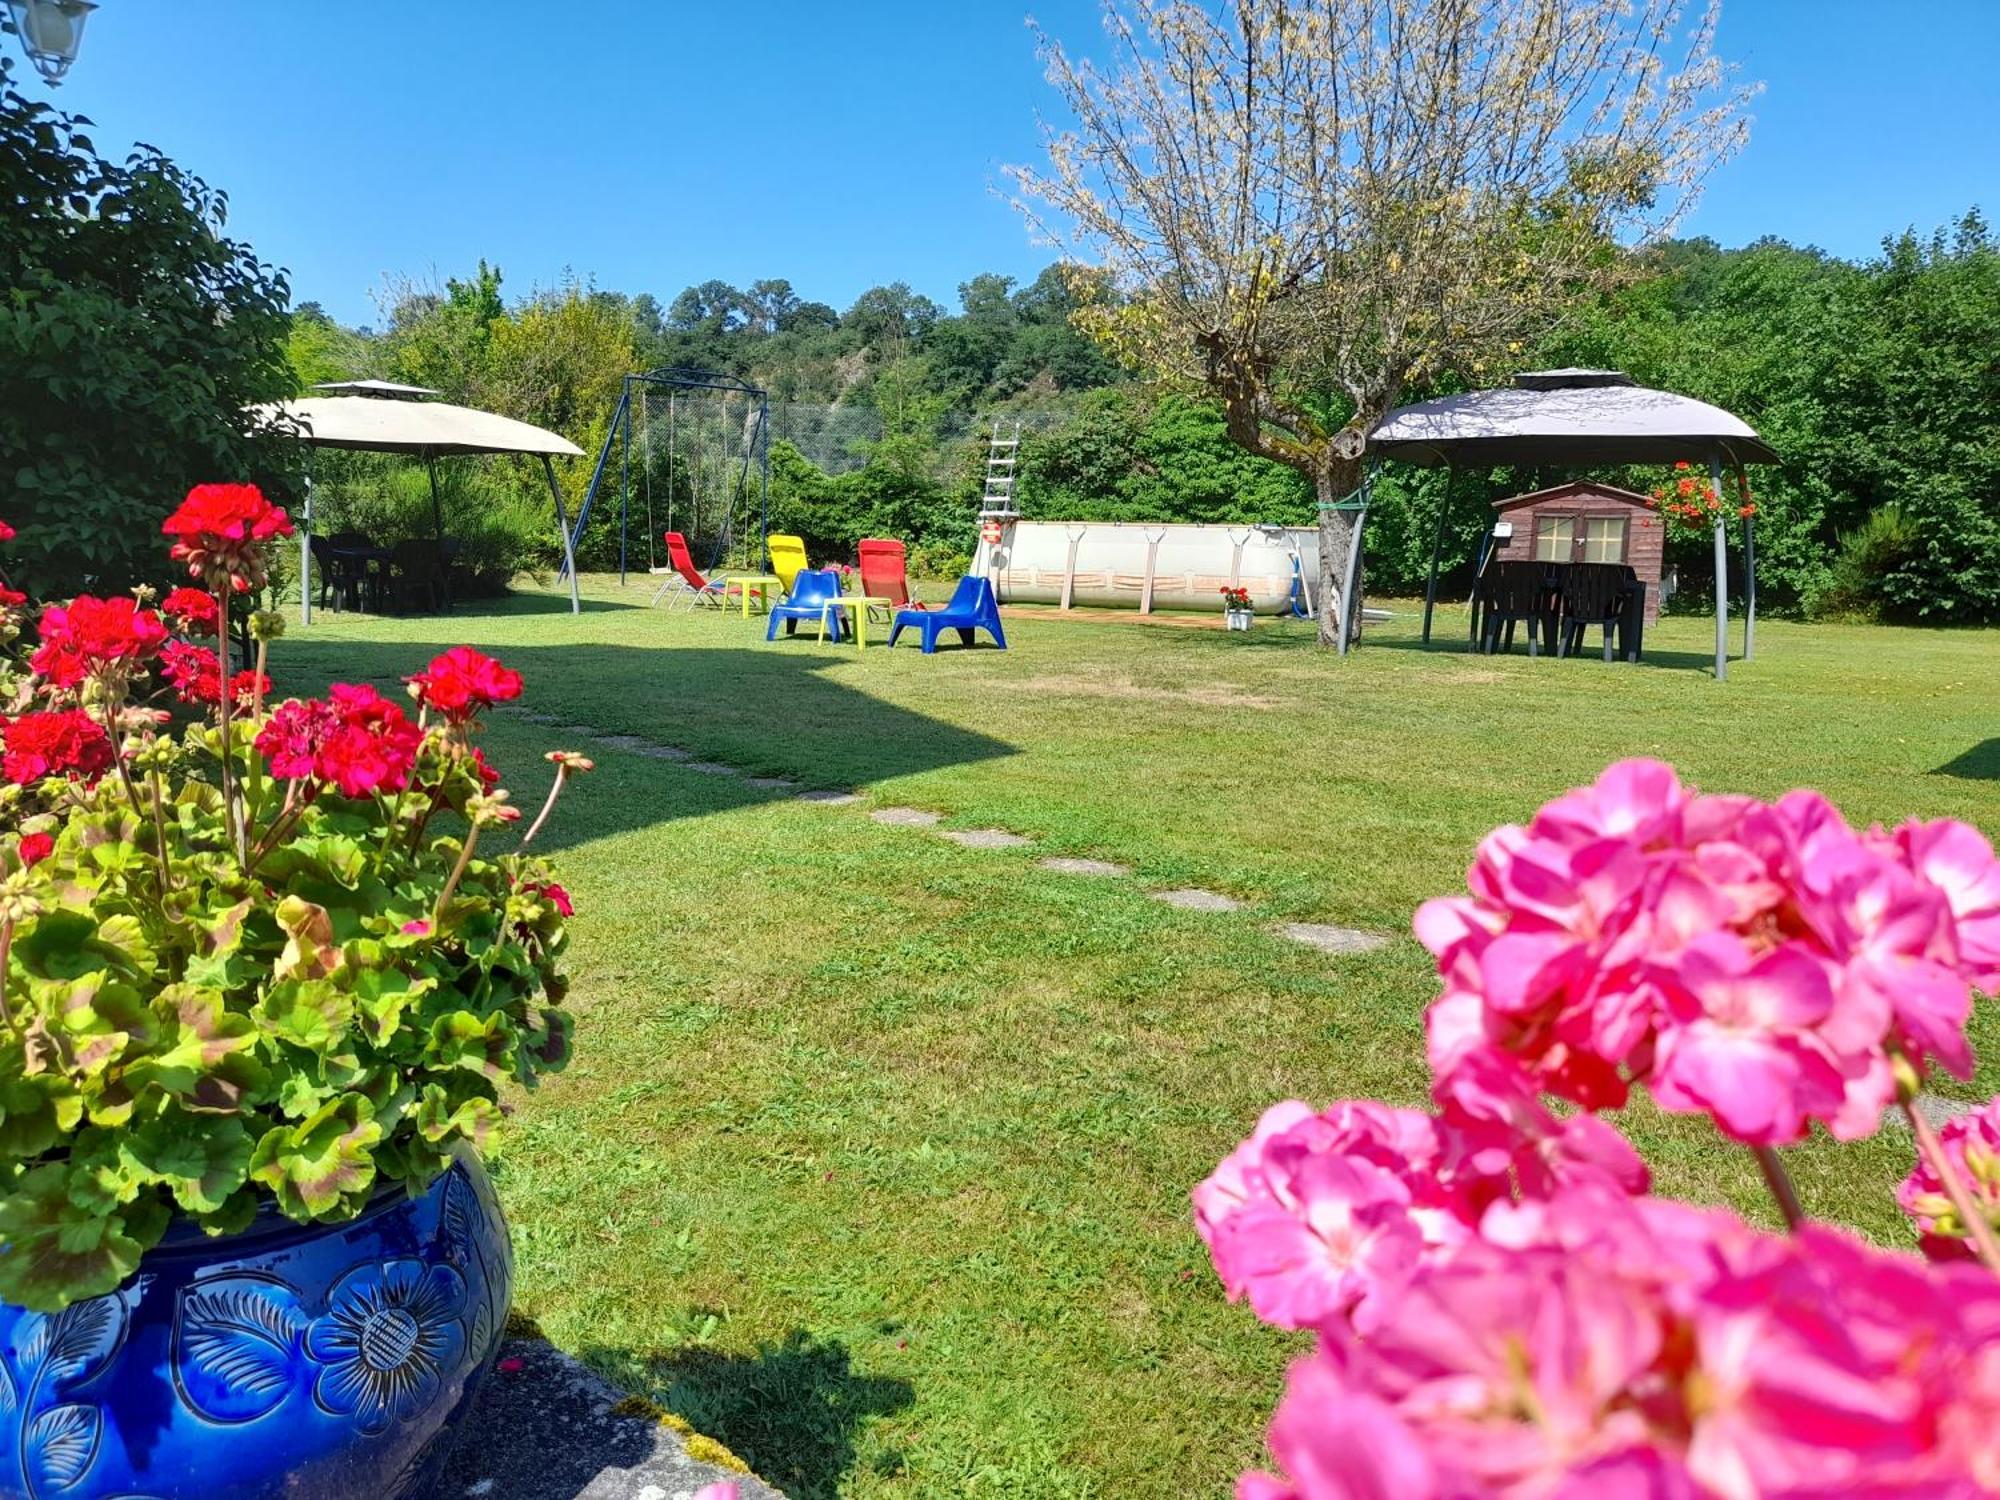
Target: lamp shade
{"points": [[51, 32]]}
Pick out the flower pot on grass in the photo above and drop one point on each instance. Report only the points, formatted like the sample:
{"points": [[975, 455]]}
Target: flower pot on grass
{"points": [[264, 975], [1236, 611]]}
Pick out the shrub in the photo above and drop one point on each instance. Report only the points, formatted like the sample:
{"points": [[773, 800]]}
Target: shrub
{"points": [[1880, 548]]}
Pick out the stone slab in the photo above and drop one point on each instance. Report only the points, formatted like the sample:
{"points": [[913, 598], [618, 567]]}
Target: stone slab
{"points": [[626, 742], [1063, 864], [770, 783], [666, 752], [1932, 1108], [1191, 899], [549, 1428], [831, 799], [1330, 939], [984, 838], [905, 817], [711, 768]]}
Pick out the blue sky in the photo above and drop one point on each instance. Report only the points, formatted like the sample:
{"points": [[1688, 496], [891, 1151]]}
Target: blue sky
{"points": [[654, 143]]}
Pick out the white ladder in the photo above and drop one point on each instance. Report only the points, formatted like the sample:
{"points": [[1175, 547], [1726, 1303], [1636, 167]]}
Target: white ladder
{"points": [[1001, 456]]}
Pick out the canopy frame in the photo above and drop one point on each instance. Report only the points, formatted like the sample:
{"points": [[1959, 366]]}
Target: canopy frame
{"points": [[1526, 424], [458, 431]]}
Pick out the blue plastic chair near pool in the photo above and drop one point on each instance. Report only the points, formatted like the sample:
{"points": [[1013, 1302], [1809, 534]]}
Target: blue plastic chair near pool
{"points": [[972, 607], [811, 591]]}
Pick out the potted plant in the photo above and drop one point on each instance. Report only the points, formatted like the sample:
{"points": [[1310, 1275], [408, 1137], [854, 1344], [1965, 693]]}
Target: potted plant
{"points": [[1236, 609], [266, 971]]}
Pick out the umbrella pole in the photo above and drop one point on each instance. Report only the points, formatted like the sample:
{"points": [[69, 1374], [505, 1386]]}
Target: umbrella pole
{"points": [[437, 509], [1437, 546], [1749, 570], [1721, 579], [305, 550], [562, 525]]}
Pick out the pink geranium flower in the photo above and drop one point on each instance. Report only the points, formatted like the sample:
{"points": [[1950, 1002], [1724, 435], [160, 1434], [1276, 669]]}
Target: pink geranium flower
{"points": [[1971, 1144]]}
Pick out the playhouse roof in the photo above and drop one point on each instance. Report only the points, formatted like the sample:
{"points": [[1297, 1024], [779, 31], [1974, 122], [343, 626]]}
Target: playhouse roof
{"points": [[1574, 487]]}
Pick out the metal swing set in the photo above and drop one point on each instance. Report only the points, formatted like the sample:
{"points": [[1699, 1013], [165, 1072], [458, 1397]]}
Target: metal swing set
{"points": [[715, 430]]}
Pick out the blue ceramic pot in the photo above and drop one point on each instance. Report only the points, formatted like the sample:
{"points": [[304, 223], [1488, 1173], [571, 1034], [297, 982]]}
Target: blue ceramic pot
{"points": [[313, 1362]]}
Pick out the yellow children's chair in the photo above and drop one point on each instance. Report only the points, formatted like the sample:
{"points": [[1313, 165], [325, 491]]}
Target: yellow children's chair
{"points": [[788, 558]]}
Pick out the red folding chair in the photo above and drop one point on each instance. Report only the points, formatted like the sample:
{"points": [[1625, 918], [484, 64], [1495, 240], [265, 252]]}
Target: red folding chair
{"points": [[885, 573], [685, 582]]}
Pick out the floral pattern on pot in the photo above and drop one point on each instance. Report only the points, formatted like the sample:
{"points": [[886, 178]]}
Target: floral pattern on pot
{"points": [[316, 1361]]}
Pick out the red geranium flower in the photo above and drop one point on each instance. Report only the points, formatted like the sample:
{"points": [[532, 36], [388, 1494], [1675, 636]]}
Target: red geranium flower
{"points": [[6, 532], [64, 743], [374, 747], [196, 673], [296, 733], [11, 598], [218, 530], [36, 847], [193, 610], [93, 636], [552, 893], [463, 681], [488, 777]]}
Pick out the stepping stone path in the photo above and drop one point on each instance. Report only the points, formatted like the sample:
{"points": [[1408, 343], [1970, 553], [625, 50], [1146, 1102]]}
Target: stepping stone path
{"points": [[1932, 1108], [626, 742], [770, 783], [711, 768], [1331, 939], [1191, 899], [666, 752], [983, 838], [1064, 865], [905, 817], [831, 799]]}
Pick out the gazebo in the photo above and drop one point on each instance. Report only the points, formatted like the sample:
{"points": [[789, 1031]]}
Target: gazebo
{"points": [[1571, 419], [391, 418]]}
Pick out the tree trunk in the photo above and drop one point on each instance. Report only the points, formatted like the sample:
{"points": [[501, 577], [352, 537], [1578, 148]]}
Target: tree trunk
{"points": [[1337, 537]]}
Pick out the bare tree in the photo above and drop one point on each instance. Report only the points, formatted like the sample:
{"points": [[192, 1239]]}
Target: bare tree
{"points": [[1307, 205]]}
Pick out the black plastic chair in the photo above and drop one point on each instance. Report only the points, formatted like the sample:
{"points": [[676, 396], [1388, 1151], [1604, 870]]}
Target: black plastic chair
{"points": [[1512, 593], [1592, 594], [416, 572]]}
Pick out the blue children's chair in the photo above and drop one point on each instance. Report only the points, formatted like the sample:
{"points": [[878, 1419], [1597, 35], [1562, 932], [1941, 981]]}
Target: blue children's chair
{"points": [[811, 591], [972, 607]]}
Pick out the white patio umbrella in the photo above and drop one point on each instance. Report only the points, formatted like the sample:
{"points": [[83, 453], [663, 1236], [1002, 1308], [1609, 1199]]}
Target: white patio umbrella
{"points": [[1576, 418], [423, 429]]}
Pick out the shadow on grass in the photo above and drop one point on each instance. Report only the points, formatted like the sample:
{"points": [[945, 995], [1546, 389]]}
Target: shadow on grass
{"points": [[764, 711], [791, 1411], [1591, 651], [1980, 763]]}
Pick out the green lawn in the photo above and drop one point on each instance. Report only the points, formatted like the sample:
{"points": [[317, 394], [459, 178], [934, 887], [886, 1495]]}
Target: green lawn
{"points": [[873, 1162]]}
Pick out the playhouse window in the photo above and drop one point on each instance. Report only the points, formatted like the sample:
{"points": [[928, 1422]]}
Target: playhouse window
{"points": [[1555, 537], [1604, 539]]}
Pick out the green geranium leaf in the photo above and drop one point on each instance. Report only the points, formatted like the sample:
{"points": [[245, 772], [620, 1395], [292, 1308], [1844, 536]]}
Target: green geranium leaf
{"points": [[545, 1041], [439, 1120], [202, 1159], [321, 1164], [300, 1094], [56, 1252], [35, 1113], [313, 1014], [463, 1040], [310, 952], [381, 996], [100, 1020]]}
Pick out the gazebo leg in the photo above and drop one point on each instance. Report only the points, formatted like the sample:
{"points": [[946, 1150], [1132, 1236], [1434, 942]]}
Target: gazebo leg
{"points": [[562, 525], [1721, 580]]}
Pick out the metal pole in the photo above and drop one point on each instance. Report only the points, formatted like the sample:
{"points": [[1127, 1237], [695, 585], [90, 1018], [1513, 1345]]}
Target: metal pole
{"points": [[603, 458], [1437, 546], [562, 524], [437, 510], [624, 494], [305, 550], [764, 477], [1721, 579], [1749, 573], [1350, 607]]}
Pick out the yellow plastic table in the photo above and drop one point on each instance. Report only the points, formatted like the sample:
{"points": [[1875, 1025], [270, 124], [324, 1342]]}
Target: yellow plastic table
{"points": [[857, 606], [744, 582]]}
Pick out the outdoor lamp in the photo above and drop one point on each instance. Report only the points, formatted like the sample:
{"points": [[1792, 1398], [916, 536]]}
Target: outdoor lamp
{"points": [[51, 31]]}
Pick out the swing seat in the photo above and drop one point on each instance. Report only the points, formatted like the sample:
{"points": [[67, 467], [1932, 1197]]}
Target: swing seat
{"points": [[972, 607]]}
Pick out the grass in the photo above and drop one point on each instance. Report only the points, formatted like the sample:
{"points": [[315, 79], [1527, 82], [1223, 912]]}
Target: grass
{"points": [[873, 1161]]}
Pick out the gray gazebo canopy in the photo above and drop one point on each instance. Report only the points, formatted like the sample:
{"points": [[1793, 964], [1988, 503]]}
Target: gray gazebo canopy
{"points": [[1576, 419], [389, 420]]}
